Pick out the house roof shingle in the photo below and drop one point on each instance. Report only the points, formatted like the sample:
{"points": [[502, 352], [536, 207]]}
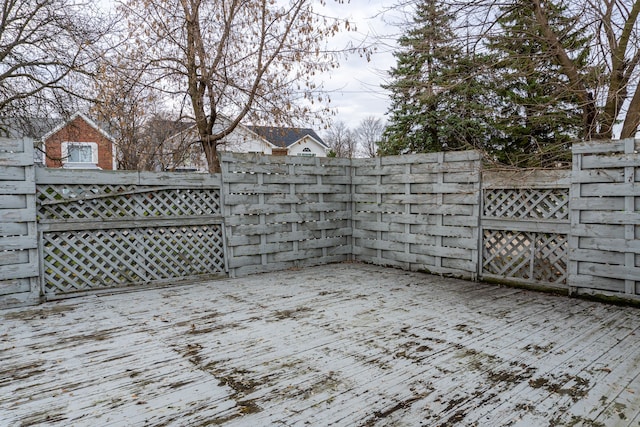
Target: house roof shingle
{"points": [[285, 137]]}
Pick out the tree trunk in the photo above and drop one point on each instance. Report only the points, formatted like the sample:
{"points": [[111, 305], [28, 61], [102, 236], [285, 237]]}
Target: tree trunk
{"points": [[632, 120], [586, 99], [213, 157]]}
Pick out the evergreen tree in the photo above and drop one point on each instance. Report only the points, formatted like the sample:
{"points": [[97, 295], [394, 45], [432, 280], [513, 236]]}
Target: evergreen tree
{"points": [[436, 99], [538, 116]]}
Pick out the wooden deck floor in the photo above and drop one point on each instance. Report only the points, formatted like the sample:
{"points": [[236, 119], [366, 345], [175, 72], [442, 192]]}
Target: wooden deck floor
{"points": [[344, 345]]}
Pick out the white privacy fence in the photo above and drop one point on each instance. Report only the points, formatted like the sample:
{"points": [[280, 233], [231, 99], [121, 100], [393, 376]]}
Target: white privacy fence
{"points": [[18, 237], [418, 212], [604, 242], [102, 230]]}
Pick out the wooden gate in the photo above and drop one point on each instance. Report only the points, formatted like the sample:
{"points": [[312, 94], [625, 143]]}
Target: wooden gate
{"points": [[104, 230], [525, 227]]}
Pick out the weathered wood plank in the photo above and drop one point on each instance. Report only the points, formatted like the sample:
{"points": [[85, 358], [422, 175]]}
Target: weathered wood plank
{"points": [[462, 177], [443, 231], [529, 225], [369, 171], [101, 177], [442, 209], [598, 231], [533, 178], [19, 145], [17, 215], [257, 209], [598, 147], [444, 188], [13, 201], [19, 271], [179, 179], [293, 236], [598, 175], [15, 243], [441, 251], [13, 228], [369, 222], [409, 179], [472, 167], [256, 228], [324, 170], [18, 286], [124, 223], [17, 187], [613, 245], [591, 284], [12, 173], [410, 158], [612, 160], [609, 271], [14, 257], [98, 177], [608, 217], [267, 248], [290, 179], [597, 256], [610, 189], [597, 203], [8, 158]]}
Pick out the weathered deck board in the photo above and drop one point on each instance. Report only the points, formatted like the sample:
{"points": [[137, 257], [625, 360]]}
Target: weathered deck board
{"points": [[342, 344]]}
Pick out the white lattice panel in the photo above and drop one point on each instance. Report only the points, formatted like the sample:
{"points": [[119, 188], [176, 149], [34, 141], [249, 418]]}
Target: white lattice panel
{"points": [[525, 224], [527, 203], [112, 201], [105, 231], [88, 260], [533, 257]]}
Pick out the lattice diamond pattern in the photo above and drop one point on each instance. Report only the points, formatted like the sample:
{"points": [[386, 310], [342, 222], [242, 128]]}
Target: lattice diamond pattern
{"points": [[551, 255], [79, 261], [510, 255], [507, 254], [527, 203], [80, 202]]}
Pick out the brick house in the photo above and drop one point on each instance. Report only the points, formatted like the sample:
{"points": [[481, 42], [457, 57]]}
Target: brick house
{"points": [[78, 143]]}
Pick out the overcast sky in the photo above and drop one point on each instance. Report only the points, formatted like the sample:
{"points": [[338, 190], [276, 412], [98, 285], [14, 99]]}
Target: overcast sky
{"points": [[355, 86]]}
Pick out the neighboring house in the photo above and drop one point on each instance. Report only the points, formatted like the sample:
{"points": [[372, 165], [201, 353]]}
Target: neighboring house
{"points": [[78, 143], [74, 143], [297, 141], [246, 139]]}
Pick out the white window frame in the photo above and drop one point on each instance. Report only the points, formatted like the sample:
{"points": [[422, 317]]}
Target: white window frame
{"points": [[65, 155], [306, 152]]}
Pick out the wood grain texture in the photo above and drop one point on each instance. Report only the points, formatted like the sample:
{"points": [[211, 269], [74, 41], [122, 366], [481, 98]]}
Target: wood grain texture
{"points": [[341, 344], [605, 221], [19, 268]]}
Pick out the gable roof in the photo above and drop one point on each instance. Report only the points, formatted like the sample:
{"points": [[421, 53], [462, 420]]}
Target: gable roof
{"points": [[86, 120], [41, 128], [285, 137]]}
